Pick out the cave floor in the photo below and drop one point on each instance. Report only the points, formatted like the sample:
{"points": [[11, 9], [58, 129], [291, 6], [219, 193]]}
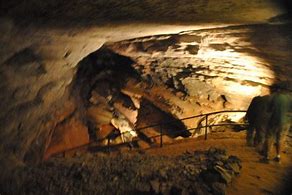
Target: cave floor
{"points": [[255, 177]]}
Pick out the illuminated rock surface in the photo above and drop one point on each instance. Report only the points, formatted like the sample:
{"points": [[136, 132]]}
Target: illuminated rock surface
{"points": [[190, 58], [70, 134], [38, 63]]}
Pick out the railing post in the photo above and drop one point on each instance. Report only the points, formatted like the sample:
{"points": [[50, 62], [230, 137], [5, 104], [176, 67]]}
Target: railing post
{"points": [[108, 145], [161, 140], [206, 127]]}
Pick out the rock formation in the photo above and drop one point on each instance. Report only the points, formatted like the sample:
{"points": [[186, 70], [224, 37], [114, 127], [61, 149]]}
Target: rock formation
{"points": [[66, 70], [200, 172]]}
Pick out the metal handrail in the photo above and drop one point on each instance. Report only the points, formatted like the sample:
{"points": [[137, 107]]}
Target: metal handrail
{"points": [[161, 134], [190, 117]]}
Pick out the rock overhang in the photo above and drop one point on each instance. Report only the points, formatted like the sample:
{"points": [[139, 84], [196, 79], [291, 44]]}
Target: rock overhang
{"points": [[44, 43]]}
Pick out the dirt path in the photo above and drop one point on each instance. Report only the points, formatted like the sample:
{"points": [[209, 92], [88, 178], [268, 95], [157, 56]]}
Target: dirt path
{"points": [[255, 177]]}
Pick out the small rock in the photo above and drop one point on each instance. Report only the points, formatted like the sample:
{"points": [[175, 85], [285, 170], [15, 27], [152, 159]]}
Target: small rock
{"points": [[225, 174], [220, 163]]}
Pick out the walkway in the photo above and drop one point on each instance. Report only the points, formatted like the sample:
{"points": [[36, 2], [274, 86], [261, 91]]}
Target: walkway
{"points": [[255, 178]]}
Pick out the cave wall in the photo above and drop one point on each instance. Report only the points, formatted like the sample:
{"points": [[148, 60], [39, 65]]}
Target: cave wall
{"points": [[212, 69], [39, 62], [37, 68]]}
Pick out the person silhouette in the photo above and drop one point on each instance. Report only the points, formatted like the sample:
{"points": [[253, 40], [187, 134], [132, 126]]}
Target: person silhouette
{"points": [[280, 121]]}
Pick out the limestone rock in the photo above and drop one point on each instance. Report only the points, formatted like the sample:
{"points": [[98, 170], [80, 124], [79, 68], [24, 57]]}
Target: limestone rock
{"points": [[104, 131], [97, 99], [225, 174], [99, 114], [129, 113], [70, 134], [135, 97], [127, 131]]}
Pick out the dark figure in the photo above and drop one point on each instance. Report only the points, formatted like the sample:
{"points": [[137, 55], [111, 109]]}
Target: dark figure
{"points": [[279, 123], [258, 118]]}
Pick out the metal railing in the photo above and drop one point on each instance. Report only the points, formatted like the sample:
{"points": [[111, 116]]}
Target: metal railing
{"points": [[205, 117]]}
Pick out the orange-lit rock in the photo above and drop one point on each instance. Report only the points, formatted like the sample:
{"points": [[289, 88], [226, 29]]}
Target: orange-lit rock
{"points": [[135, 97], [99, 115], [130, 114], [68, 135], [59, 116], [67, 109], [97, 99], [104, 131], [143, 145]]}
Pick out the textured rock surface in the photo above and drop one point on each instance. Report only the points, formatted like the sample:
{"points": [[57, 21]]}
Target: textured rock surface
{"points": [[205, 172], [69, 134], [38, 63], [225, 66], [92, 12], [213, 69]]}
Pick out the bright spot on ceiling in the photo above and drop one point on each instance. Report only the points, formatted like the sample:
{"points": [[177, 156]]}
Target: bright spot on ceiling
{"points": [[244, 73]]}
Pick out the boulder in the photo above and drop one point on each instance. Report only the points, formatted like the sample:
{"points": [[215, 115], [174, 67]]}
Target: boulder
{"points": [[127, 132], [226, 175]]}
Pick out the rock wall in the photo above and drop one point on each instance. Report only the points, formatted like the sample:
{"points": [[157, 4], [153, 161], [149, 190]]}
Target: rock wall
{"points": [[103, 11], [36, 70], [226, 65], [213, 69], [178, 75], [38, 65]]}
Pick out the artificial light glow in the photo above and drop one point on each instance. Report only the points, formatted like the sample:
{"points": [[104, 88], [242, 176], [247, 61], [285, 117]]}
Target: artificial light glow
{"points": [[236, 117], [244, 90], [243, 74]]}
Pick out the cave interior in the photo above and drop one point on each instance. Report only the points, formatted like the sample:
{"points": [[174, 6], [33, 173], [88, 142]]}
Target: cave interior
{"points": [[130, 97]]}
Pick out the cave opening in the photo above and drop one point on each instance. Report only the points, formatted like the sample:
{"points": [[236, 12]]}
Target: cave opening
{"points": [[109, 111], [127, 85]]}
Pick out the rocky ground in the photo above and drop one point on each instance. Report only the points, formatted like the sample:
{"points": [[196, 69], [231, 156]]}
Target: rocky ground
{"points": [[200, 172], [255, 177], [188, 166]]}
